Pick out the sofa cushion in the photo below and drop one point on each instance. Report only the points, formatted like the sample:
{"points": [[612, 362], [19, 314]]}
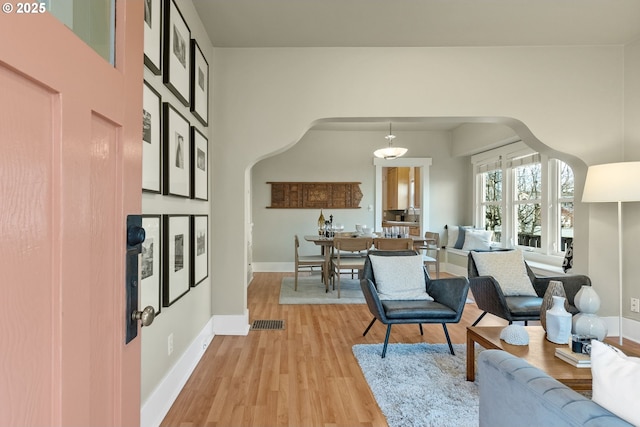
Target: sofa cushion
{"points": [[477, 239], [399, 277], [615, 381], [509, 270]]}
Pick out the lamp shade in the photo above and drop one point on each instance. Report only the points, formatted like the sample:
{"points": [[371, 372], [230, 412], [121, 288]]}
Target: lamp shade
{"points": [[390, 152], [612, 182]]}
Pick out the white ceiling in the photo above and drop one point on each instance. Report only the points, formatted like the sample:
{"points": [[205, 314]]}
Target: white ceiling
{"points": [[416, 23], [377, 23]]}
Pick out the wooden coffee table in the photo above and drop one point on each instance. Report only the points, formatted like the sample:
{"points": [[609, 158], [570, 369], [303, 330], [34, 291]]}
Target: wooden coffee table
{"points": [[539, 353]]}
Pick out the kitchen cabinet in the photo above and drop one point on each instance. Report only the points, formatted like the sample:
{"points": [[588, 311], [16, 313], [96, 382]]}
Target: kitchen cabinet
{"points": [[397, 188]]}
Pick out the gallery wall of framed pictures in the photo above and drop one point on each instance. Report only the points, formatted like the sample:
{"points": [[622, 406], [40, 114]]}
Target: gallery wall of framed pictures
{"points": [[175, 156]]}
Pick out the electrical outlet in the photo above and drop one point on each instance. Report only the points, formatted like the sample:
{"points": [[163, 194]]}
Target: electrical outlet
{"points": [[635, 305], [170, 344]]}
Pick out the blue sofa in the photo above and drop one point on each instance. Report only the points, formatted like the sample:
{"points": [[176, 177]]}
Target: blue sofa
{"points": [[513, 393]]}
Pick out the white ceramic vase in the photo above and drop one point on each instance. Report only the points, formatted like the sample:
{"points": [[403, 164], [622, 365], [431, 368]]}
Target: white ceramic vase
{"points": [[589, 324], [558, 322], [587, 300]]}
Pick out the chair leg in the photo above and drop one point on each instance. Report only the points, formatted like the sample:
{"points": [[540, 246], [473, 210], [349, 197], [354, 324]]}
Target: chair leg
{"points": [[479, 318], [446, 334], [420, 324], [386, 340], [369, 327], [295, 288], [526, 323]]}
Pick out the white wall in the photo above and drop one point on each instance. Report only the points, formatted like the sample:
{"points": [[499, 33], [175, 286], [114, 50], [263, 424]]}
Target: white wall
{"points": [[569, 98], [347, 156]]}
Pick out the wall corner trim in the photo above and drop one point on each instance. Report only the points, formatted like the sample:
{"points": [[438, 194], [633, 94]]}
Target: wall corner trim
{"points": [[157, 405]]}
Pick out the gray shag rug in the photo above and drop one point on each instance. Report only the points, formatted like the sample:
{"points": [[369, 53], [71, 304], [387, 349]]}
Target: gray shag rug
{"points": [[420, 384], [311, 290]]}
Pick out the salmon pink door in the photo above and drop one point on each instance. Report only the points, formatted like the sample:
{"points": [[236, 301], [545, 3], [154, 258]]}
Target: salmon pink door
{"points": [[70, 172]]}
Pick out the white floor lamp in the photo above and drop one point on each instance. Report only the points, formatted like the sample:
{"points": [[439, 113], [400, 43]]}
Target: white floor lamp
{"points": [[614, 182]]}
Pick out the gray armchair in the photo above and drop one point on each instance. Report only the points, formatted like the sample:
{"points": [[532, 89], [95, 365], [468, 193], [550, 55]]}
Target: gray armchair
{"points": [[490, 299], [449, 296]]}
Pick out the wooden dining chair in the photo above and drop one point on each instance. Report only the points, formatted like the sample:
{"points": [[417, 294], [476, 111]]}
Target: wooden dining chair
{"points": [[393, 244], [349, 253], [429, 247], [308, 262]]}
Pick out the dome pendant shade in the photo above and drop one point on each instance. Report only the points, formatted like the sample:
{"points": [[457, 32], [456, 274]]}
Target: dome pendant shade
{"points": [[390, 152]]}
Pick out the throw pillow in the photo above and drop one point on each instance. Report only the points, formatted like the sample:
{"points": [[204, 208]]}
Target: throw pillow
{"points": [[509, 270], [461, 236], [477, 239], [400, 277], [615, 381]]}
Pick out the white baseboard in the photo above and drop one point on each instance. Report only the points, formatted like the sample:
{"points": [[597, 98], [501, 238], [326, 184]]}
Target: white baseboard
{"points": [[273, 267], [155, 408], [237, 324], [630, 328]]}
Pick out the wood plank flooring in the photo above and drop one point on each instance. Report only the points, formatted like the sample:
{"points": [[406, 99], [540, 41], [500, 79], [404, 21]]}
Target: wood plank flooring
{"points": [[305, 375]]}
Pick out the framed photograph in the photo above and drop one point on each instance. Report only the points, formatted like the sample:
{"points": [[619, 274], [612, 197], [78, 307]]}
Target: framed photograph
{"points": [[151, 139], [177, 253], [153, 35], [200, 165], [199, 84], [200, 248], [177, 53], [176, 153], [151, 263]]}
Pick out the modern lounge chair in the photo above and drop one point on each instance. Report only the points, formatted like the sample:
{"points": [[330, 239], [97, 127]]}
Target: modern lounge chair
{"points": [[449, 295]]}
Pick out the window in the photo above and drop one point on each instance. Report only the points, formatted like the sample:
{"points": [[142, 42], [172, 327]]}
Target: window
{"points": [[515, 186]]}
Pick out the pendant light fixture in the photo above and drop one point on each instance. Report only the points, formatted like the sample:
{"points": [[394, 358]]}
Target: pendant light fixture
{"points": [[390, 152]]}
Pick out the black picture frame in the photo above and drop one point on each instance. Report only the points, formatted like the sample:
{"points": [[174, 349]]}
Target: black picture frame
{"points": [[199, 248], [153, 35], [151, 139], [199, 165], [176, 153], [177, 258], [177, 53], [199, 84], [151, 264]]}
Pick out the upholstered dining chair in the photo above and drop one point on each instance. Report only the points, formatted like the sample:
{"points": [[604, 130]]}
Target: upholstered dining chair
{"points": [[430, 249], [393, 284], [393, 244], [348, 254], [510, 300], [308, 262]]}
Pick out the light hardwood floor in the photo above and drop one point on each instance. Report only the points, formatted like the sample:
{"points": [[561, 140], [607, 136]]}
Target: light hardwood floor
{"points": [[305, 375]]}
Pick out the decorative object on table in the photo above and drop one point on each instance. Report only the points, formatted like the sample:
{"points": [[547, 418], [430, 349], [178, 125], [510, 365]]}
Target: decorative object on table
{"points": [[315, 195], [614, 182], [151, 141], [579, 360], [558, 322], [177, 153], [390, 152], [321, 223], [587, 322], [515, 335], [199, 165], [556, 288], [199, 84], [177, 53]]}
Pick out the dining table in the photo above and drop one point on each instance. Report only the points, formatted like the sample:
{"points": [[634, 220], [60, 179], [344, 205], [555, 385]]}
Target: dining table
{"points": [[326, 249]]}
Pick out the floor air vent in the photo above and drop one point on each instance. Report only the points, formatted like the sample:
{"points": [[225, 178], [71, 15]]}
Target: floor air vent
{"points": [[267, 325]]}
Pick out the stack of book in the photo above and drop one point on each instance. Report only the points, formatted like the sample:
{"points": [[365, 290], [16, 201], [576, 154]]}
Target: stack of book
{"points": [[578, 360]]}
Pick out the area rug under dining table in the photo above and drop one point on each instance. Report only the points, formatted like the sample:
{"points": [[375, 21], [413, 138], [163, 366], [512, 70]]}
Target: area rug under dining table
{"points": [[420, 384], [311, 290]]}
